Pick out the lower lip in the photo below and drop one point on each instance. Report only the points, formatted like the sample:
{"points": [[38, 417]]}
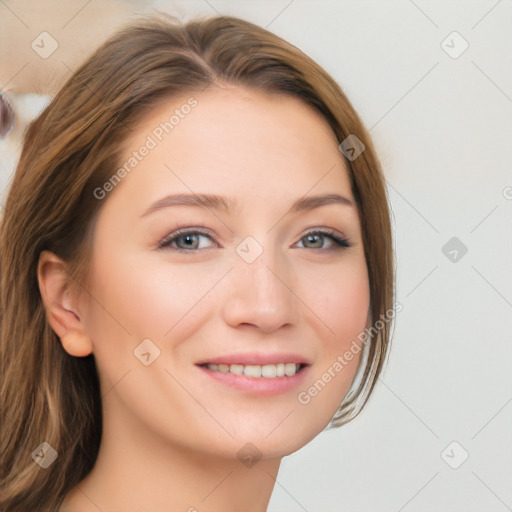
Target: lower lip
{"points": [[258, 385]]}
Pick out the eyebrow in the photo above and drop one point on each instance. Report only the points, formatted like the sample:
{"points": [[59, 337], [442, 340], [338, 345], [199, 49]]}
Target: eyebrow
{"points": [[215, 202]]}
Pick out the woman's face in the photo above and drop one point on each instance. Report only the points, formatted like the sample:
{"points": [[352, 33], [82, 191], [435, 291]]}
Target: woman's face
{"points": [[239, 285]]}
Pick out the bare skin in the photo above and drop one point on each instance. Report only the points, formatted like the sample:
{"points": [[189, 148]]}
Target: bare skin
{"points": [[171, 432]]}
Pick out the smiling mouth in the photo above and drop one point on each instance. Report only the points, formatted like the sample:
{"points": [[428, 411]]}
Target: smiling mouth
{"points": [[268, 371]]}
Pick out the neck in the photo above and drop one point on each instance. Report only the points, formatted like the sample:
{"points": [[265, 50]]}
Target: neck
{"points": [[138, 470]]}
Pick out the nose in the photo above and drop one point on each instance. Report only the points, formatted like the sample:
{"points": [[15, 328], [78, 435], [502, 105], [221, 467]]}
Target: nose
{"points": [[260, 294]]}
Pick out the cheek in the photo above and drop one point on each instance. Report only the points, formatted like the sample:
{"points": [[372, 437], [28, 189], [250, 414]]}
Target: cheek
{"points": [[343, 308], [140, 299], [340, 296], [349, 310], [348, 306]]}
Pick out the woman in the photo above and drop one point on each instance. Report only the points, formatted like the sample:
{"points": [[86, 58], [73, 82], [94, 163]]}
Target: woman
{"points": [[195, 250]]}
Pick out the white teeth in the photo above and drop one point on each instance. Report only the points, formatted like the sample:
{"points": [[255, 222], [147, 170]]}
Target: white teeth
{"points": [[252, 370], [268, 371], [290, 369], [237, 369]]}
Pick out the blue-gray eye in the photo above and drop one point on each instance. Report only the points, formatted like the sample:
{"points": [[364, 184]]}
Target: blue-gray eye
{"points": [[317, 238], [189, 238]]}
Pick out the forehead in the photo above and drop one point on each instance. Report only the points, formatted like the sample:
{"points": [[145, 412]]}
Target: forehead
{"points": [[235, 142]]}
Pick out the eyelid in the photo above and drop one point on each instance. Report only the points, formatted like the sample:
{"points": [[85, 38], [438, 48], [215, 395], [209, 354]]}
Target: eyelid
{"points": [[324, 230]]}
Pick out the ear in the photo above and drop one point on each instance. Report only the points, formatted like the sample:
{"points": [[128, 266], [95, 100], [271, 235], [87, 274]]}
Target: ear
{"points": [[60, 305]]}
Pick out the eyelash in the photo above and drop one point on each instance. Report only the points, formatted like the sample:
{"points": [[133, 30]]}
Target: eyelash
{"points": [[165, 243]]}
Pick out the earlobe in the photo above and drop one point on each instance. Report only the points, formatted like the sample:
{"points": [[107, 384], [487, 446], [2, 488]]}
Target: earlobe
{"points": [[61, 314], [77, 343]]}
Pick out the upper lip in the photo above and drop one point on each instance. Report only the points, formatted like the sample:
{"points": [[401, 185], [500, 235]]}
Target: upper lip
{"points": [[256, 358]]}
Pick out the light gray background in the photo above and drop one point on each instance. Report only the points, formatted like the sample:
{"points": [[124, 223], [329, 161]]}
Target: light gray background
{"points": [[443, 129]]}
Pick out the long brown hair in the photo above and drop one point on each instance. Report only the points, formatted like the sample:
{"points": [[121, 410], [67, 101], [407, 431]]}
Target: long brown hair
{"points": [[73, 147]]}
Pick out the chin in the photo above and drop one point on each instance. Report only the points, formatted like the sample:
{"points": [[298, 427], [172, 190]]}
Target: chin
{"points": [[284, 439]]}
